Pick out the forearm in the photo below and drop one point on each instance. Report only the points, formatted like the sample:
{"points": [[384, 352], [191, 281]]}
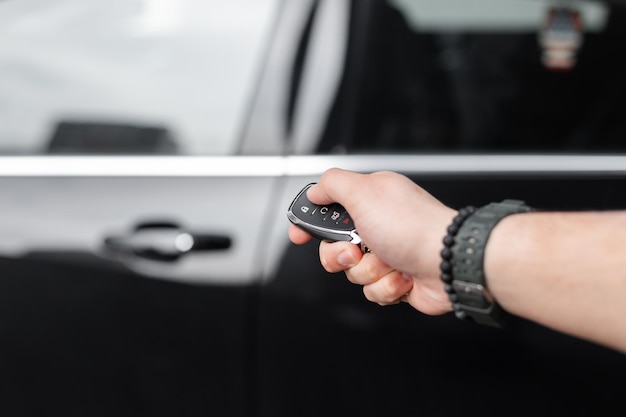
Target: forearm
{"points": [[564, 270]]}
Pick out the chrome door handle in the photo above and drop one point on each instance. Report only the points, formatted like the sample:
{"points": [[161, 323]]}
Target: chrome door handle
{"points": [[165, 242]]}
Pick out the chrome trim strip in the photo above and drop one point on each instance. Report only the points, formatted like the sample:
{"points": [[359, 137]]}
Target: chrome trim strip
{"points": [[462, 164], [141, 166], [256, 166]]}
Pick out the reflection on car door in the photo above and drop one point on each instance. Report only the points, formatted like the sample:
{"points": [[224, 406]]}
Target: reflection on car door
{"points": [[106, 305], [129, 283]]}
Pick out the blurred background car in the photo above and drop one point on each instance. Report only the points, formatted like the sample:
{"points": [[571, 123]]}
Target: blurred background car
{"points": [[149, 151]]}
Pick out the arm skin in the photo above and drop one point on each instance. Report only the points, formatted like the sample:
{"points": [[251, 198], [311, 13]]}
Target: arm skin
{"points": [[566, 271]]}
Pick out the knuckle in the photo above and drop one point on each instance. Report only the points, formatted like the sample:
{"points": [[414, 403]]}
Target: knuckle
{"points": [[351, 277], [390, 290], [385, 291], [370, 271]]}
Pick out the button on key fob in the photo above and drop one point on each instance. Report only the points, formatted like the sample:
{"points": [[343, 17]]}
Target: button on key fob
{"points": [[327, 222]]}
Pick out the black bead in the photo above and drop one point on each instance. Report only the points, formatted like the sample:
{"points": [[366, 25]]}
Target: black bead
{"points": [[458, 220], [446, 256], [448, 241]]}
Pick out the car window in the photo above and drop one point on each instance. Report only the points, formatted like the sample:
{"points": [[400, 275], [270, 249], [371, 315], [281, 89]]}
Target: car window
{"points": [[481, 76], [259, 77], [128, 76]]}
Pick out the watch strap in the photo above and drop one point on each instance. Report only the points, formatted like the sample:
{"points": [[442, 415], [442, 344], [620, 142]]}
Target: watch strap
{"points": [[474, 302]]}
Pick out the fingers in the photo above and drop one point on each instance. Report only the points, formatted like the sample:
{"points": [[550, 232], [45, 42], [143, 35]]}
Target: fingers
{"points": [[297, 235], [381, 283], [339, 256], [393, 216], [389, 289], [335, 185]]}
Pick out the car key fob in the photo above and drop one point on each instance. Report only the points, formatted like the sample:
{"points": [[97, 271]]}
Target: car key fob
{"points": [[327, 222]]}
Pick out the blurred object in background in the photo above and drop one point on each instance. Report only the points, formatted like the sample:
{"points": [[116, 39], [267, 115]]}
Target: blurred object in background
{"points": [[110, 138], [561, 36]]}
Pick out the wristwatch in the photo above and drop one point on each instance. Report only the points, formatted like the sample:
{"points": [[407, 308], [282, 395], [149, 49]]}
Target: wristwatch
{"points": [[474, 301]]}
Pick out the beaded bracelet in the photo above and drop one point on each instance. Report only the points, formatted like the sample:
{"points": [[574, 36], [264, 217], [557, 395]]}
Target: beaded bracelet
{"points": [[446, 256], [463, 277]]}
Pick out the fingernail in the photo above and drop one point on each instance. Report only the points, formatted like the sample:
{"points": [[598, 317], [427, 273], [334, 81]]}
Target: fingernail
{"points": [[345, 258], [407, 277]]}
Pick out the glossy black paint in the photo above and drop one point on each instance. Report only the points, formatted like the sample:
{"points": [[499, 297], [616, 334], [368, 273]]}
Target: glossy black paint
{"points": [[324, 349], [81, 337], [88, 340]]}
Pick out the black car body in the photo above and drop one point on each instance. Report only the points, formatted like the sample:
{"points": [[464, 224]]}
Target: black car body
{"points": [[106, 308]]}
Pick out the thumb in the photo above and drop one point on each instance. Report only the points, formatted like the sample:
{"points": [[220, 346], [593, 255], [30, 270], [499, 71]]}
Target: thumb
{"points": [[337, 186]]}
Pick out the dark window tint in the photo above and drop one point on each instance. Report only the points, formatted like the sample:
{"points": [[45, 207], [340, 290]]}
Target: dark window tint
{"points": [[468, 88]]}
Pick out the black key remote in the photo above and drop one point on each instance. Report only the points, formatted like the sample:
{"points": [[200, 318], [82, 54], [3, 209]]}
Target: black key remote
{"points": [[330, 222]]}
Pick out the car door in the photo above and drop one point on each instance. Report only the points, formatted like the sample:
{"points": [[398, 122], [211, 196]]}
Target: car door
{"points": [[464, 106], [132, 225]]}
